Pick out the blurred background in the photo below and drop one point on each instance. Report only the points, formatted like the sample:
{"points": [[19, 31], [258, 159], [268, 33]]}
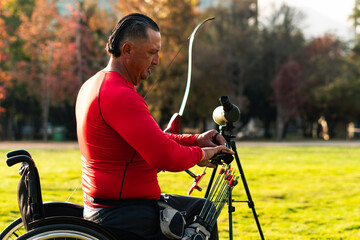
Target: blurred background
{"points": [[291, 79]]}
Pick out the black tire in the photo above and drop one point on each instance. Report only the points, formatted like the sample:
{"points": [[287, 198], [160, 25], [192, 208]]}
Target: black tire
{"points": [[14, 230], [64, 231]]}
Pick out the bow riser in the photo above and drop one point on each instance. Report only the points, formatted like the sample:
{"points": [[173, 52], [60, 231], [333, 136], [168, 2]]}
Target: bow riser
{"points": [[175, 121]]}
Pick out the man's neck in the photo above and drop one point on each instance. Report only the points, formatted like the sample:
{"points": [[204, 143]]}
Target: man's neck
{"points": [[116, 65]]}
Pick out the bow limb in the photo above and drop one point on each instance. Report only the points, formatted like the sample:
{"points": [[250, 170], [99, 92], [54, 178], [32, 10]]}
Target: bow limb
{"points": [[174, 123]]}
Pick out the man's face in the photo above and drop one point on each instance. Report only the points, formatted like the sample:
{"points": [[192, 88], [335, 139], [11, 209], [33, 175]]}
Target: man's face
{"points": [[144, 56]]}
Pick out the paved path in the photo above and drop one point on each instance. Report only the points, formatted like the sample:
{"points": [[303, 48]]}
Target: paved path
{"points": [[335, 143], [38, 144]]}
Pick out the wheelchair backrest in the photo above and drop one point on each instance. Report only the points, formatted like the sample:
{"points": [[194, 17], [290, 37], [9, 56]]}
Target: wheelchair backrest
{"points": [[29, 189]]}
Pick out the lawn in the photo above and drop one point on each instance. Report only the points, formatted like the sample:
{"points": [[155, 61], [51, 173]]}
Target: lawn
{"points": [[299, 192]]}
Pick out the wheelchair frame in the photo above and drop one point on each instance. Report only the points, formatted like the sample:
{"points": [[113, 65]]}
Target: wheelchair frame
{"points": [[52, 220]]}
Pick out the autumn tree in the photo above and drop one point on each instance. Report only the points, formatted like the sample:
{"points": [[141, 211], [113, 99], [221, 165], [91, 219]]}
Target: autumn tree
{"points": [[4, 51], [89, 25], [52, 53], [49, 55], [176, 19], [10, 53], [281, 40]]}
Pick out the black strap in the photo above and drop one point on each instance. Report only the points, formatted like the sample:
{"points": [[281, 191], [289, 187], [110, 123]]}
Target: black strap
{"points": [[214, 138], [119, 202]]}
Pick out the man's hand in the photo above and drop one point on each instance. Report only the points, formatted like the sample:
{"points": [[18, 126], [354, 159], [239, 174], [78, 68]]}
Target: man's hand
{"points": [[210, 138], [209, 152]]}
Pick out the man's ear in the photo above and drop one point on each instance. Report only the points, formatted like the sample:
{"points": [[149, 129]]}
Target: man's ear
{"points": [[126, 48]]}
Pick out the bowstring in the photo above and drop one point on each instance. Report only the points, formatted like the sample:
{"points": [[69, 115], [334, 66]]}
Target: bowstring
{"points": [[73, 192], [164, 72]]}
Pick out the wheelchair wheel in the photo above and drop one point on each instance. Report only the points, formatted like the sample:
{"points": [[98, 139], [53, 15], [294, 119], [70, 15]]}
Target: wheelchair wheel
{"points": [[64, 232], [14, 230]]}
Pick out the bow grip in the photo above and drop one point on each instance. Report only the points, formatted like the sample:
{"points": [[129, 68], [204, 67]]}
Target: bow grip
{"points": [[174, 124]]}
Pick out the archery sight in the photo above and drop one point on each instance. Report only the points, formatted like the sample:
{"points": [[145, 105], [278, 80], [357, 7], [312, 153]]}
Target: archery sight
{"points": [[225, 113]]}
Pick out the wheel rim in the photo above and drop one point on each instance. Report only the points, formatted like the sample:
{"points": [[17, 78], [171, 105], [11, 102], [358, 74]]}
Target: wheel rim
{"points": [[15, 232]]}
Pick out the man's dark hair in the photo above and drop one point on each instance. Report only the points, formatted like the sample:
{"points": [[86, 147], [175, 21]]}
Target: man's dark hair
{"points": [[132, 26]]}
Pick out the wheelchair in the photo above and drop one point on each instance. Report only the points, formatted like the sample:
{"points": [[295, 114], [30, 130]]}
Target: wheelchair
{"points": [[64, 220], [49, 220]]}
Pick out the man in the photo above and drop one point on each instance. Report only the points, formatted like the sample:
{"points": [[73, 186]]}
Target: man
{"points": [[122, 147]]}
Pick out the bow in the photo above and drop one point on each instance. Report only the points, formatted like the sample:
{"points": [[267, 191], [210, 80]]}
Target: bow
{"points": [[174, 123]]}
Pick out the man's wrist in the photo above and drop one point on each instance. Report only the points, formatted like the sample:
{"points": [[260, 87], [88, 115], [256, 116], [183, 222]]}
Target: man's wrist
{"points": [[196, 139], [203, 154]]}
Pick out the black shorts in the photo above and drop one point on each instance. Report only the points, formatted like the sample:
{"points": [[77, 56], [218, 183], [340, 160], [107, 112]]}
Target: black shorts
{"points": [[139, 220]]}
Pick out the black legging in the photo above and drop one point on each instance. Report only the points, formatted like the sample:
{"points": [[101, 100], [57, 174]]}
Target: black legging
{"points": [[140, 221]]}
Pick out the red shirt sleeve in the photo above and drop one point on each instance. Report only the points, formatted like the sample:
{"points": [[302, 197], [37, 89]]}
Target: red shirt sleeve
{"points": [[185, 139], [124, 110]]}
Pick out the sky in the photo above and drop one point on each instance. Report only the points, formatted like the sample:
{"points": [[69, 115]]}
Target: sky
{"points": [[321, 16]]}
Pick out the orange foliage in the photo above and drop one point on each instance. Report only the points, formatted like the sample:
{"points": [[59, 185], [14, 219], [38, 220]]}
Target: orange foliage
{"points": [[4, 46], [325, 45], [49, 42]]}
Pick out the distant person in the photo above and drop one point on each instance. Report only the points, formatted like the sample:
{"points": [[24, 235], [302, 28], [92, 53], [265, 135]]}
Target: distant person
{"points": [[122, 147], [324, 133]]}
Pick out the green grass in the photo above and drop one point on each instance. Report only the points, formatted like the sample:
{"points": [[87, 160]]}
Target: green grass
{"points": [[299, 192]]}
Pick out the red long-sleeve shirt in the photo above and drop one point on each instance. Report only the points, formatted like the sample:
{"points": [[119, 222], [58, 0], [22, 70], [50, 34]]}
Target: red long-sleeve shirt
{"points": [[121, 145]]}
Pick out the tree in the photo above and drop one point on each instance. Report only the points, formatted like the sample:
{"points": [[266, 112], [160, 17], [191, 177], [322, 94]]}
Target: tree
{"points": [[165, 88], [76, 38], [11, 51], [287, 95], [226, 57], [281, 40], [4, 52], [90, 25], [324, 76], [52, 54]]}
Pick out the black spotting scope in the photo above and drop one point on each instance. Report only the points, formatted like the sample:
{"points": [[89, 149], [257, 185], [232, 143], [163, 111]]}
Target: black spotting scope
{"points": [[227, 112]]}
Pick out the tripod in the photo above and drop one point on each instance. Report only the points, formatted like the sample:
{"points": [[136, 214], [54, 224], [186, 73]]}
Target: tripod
{"points": [[225, 131]]}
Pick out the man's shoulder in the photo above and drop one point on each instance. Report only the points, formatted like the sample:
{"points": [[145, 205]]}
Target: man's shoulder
{"points": [[114, 81], [90, 86], [115, 88]]}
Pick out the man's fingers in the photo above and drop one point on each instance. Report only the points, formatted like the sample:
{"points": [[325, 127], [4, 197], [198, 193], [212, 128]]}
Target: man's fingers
{"points": [[210, 165], [218, 139], [224, 149], [212, 144], [206, 163]]}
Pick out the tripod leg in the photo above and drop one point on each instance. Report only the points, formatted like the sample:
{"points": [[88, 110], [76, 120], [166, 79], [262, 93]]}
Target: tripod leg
{"points": [[230, 210], [250, 201]]}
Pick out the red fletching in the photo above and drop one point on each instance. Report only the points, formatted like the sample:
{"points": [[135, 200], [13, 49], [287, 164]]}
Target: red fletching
{"points": [[231, 182], [196, 182]]}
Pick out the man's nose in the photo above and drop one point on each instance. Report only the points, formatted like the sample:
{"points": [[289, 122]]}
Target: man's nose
{"points": [[156, 59]]}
